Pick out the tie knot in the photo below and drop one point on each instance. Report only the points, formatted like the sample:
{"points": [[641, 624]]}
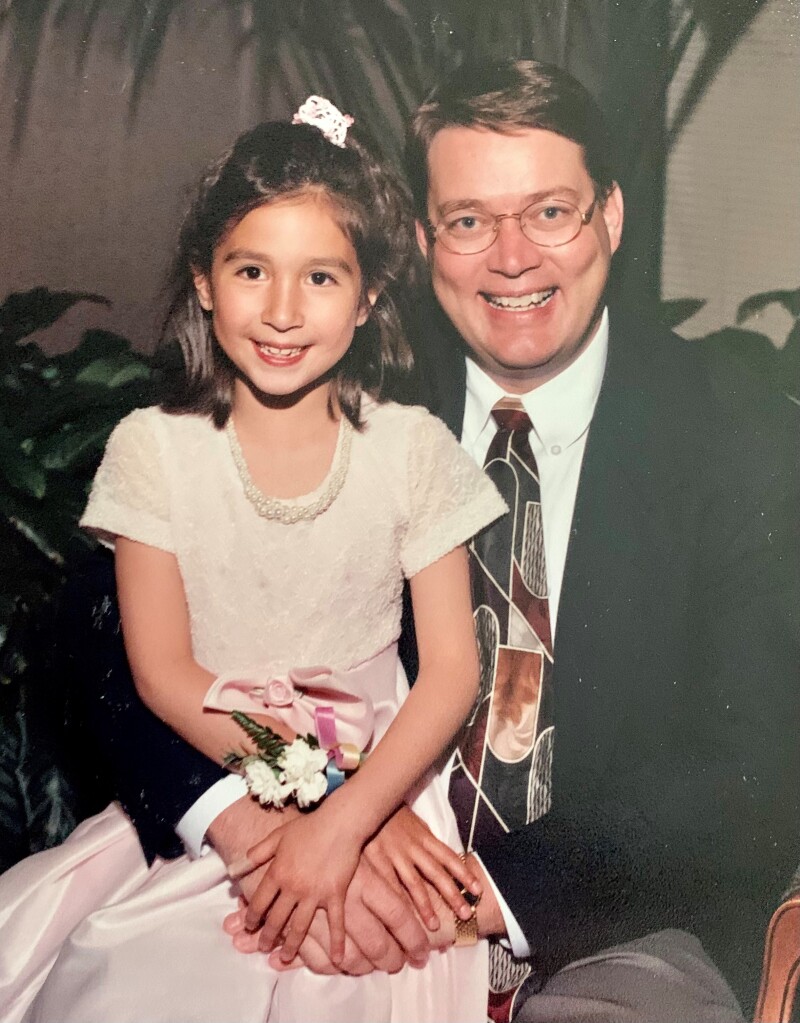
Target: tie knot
{"points": [[510, 416]]}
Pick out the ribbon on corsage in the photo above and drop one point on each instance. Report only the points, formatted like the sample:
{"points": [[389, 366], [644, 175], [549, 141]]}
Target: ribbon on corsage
{"points": [[333, 726]]}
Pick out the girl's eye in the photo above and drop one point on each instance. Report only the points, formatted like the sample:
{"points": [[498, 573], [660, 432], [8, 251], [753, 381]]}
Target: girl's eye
{"points": [[320, 277], [251, 273]]}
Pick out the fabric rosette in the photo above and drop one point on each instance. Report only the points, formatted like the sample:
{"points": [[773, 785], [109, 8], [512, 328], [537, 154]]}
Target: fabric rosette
{"points": [[334, 727]]}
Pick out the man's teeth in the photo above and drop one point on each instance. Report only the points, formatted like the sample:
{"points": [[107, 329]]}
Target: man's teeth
{"points": [[286, 353], [535, 298]]}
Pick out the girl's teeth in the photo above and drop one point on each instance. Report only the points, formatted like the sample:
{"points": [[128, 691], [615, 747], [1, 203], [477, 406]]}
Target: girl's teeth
{"points": [[287, 353], [536, 298]]}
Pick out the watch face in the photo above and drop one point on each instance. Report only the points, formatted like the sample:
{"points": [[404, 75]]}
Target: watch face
{"points": [[470, 898]]}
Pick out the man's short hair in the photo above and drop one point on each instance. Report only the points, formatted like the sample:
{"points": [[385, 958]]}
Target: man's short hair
{"points": [[505, 97]]}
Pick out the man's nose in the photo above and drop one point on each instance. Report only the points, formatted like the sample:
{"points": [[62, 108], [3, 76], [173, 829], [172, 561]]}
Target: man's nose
{"points": [[283, 307], [512, 252]]}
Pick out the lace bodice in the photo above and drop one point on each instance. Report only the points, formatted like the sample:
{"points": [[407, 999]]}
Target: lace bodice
{"points": [[262, 593]]}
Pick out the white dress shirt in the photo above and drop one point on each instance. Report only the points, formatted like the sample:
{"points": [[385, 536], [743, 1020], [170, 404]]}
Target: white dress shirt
{"points": [[560, 412]]}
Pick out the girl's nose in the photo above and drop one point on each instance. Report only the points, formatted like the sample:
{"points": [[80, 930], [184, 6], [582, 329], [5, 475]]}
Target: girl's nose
{"points": [[283, 308]]}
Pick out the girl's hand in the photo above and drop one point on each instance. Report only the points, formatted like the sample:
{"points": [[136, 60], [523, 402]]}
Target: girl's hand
{"points": [[405, 849], [311, 861]]}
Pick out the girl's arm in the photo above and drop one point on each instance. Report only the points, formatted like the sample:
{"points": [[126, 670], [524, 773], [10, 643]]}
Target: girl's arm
{"points": [[313, 858], [155, 626]]}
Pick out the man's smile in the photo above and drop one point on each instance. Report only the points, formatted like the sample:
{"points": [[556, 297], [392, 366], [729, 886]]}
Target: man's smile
{"points": [[532, 300]]}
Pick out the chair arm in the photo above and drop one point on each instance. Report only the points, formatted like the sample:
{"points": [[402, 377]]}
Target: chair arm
{"points": [[781, 970]]}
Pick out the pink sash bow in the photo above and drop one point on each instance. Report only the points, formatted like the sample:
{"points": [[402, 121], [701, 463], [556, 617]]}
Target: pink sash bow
{"points": [[300, 700]]}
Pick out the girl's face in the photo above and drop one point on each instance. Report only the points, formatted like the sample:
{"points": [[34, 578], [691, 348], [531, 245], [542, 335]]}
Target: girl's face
{"points": [[285, 295]]}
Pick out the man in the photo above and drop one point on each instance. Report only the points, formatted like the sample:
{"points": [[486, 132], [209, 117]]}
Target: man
{"points": [[656, 812]]}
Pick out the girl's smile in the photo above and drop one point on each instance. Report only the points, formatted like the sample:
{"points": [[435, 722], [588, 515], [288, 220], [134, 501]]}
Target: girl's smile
{"points": [[285, 295]]}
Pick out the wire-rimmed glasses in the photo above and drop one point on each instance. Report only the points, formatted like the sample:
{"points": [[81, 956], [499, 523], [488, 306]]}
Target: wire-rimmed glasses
{"points": [[548, 222]]}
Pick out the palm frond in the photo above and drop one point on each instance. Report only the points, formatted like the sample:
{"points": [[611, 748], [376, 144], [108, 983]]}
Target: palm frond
{"points": [[26, 22]]}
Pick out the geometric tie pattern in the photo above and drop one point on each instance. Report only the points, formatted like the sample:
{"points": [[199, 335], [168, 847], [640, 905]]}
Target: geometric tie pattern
{"points": [[502, 770]]}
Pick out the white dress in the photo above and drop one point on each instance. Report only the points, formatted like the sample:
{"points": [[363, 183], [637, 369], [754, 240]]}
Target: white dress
{"points": [[87, 931]]}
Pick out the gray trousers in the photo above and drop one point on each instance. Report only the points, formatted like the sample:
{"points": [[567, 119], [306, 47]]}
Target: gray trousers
{"points": [[661, 978]]}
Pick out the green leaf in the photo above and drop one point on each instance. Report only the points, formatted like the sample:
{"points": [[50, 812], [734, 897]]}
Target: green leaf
{"points": [[677, 310], [127, 374], [70, 445], [38, 540], [27, 475], [790, 300], [111, 371], [22, 313]]}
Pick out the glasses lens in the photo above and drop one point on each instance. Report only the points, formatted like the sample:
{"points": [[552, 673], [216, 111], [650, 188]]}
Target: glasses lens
{"points": [[466, 231], [553, 222]]}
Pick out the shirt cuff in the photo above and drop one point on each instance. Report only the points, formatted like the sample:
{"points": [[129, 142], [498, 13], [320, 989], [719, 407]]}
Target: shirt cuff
{"points": [[192, 827], [516, 940]]}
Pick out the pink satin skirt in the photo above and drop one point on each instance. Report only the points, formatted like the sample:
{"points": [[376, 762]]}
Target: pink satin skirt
{"points": [[89, 934]]}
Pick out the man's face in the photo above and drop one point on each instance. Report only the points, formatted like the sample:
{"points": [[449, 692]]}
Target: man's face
{"points": [[526, 311]]}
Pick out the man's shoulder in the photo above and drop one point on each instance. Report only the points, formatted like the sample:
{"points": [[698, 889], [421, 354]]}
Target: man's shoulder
{"points": [[697, 417], [697, 391]]}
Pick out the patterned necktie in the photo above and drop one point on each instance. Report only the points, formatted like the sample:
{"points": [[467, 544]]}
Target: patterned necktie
{"points": [[501, 775]]}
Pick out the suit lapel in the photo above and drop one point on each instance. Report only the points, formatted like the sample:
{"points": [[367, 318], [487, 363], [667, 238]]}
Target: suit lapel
{"points": [[622, 594]]}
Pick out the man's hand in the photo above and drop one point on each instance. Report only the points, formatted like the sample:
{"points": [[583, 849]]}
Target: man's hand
{"points": [[406, 851], [383, 932], [238, 828]]}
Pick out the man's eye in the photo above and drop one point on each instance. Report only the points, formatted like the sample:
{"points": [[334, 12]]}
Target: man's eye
{"points": [[552, 212], [465, 223], [320, 277]]}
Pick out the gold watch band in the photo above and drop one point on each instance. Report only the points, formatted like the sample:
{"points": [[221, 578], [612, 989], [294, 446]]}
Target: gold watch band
{"points": [[467, 930]]}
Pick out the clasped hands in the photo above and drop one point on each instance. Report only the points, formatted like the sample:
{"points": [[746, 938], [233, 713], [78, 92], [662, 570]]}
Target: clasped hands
{"points": [[315, 900]]}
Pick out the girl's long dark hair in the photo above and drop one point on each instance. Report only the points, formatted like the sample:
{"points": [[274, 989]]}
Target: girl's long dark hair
{"points": [[272, 161]]}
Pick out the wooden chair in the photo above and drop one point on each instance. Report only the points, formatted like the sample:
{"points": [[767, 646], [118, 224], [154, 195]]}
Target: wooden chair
{"points": [[781, 970]]}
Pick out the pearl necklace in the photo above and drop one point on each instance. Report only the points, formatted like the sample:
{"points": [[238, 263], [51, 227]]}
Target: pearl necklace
{"points": [[290, 511]]}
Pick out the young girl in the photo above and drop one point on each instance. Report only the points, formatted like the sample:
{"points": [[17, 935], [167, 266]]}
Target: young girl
{"points": [[263, 523]]}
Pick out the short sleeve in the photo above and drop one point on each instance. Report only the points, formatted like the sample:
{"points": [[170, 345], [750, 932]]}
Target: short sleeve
{"points": [[450, 498], [129, 495]]}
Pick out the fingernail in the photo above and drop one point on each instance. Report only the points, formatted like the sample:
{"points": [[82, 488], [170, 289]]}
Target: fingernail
{"points": [[475, 888], [465, 912], [418, 962], [240, 867], [433, 923]]}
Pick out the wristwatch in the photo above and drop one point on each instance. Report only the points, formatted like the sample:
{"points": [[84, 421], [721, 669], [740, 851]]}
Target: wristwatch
{"points": [[467, 930]]}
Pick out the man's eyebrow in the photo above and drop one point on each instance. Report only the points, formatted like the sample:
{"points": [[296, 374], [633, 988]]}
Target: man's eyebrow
{"points": [[326, 262], [555, 192]]}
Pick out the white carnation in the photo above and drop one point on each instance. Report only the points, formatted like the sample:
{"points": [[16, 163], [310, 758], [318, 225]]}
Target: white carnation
{"points": [[303, 771], [308, 792], [299, 762], [261, 781]]}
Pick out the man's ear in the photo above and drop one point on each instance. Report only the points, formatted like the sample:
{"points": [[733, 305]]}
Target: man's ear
{"points": [[202, 286], [366, 306], [422, 238], [613, 215]]}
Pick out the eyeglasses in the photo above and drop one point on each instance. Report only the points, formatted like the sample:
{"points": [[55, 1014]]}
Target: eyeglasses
{"points": [[550, 223]]}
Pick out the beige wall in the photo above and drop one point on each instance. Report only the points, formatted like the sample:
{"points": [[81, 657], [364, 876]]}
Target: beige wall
{"points": [[92, 201], [732, 224]]}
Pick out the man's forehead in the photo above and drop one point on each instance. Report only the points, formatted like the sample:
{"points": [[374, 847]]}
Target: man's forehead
{"points": [[472, 164]]}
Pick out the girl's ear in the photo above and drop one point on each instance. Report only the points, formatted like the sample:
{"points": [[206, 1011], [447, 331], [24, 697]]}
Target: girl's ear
{"points": [[202, 286], [366, 306]]}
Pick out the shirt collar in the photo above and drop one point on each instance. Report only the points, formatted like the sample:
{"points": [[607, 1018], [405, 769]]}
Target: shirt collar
{"points": [[560, 410]]}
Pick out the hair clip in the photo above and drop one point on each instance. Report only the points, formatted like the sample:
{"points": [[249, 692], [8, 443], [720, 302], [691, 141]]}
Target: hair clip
{"points": [[321, 113]]}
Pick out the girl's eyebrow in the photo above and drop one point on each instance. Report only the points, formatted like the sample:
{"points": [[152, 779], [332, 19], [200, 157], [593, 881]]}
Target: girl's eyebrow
{"points": [[331, 262]]}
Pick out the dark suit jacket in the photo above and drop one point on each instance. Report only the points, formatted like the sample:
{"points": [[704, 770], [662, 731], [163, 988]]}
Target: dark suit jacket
{"points": [[676, 765]]}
